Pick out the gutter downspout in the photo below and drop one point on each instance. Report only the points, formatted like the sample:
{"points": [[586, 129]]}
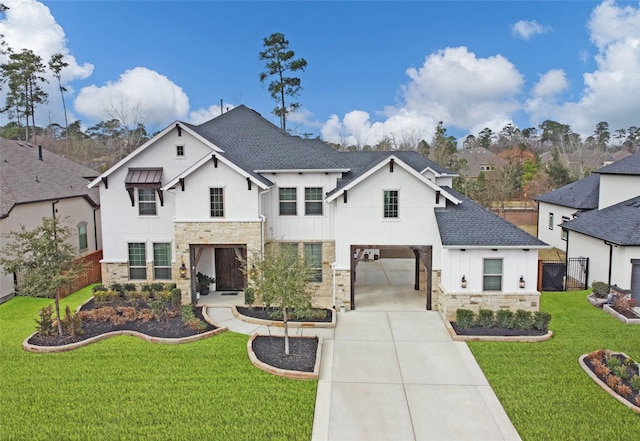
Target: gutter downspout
{"points": [[95, 228], [333, 284], [263, 218], [610, 260]]}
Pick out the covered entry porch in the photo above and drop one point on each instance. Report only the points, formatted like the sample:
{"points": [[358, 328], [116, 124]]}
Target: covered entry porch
{"points": [[222, 262], [391, 277]]}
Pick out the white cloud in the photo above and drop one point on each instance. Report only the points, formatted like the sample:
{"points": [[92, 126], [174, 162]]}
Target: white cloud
{"points": [[200, 116], [611, 92], [551, 83], [526, 29], [453, 86], [139, 94]]}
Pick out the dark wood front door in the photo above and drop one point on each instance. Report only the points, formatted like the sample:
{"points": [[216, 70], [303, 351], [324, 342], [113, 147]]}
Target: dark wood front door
{"points": [[229, 276]]}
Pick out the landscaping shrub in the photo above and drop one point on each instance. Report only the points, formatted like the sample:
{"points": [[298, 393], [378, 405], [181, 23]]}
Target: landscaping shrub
{"points": [[613, 362], [128, 287], [98, 288], [71, 323], [635, 382], [117, 287], [523, 319], [623, 301], [485, 318], [176, 297], [620, 371], [46, 324], [249, 296], [541, 320], [464, 318], [146, 314], [102, 297], [158, 307], [156, 287], [129, 313], [504, 318], [600, 289], [624, 390]]}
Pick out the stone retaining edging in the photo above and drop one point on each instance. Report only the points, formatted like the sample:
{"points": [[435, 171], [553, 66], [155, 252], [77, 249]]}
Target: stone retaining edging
{"points": [[70, 347], [627, 321], [511, 338], [292, 375], [280, 324], [605, 386]]}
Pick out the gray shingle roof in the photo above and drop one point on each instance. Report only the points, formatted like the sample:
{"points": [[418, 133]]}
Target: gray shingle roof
{"points": [[24, 178], [476, 158], [359, 162], [470, 225], [253, 143], [626, 166], [581, 195], [619, 224]]}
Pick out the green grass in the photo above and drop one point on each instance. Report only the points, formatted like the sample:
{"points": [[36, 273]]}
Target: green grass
{"points": [[542, 387], [124, 388]]}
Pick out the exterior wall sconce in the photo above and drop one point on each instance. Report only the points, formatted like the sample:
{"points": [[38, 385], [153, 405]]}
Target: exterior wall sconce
{"points": [[183, 271], [463, 282], [521, 283]]}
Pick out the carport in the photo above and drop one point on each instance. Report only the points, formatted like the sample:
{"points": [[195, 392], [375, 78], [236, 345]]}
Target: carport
{"points": [[420, 254]]}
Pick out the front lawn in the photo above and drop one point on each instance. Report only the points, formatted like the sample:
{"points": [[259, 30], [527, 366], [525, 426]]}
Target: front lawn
{"points": [[542, 387], [126, 388]]}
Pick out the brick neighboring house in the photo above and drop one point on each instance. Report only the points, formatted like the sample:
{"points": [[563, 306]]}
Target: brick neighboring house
{"points": [[36, 183], [599, 217], [195, 198]]}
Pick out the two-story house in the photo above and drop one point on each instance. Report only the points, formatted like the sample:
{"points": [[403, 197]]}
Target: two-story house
{"points": [[202, 198], [36, 183], [599, 217]]}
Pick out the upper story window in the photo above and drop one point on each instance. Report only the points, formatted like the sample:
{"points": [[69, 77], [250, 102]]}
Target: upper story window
{"points": [[313, 201], [486, 167], [390, 204], [565, 233], [216, 201], [551, 221], [492, 275], [288, 201], [162, 261], [180, 151], [147, 202], [137, 261], [146, 182], [82, 237]]}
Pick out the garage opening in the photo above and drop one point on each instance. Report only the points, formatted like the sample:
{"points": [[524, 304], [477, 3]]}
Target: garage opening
{"points": [[388, 277]]}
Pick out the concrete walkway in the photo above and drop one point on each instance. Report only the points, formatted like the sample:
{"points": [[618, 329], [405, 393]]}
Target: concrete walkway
{"points": [[390, 371]]}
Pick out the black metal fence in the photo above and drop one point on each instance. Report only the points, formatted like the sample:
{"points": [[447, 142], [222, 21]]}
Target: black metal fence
{"points": [[558, 275]]}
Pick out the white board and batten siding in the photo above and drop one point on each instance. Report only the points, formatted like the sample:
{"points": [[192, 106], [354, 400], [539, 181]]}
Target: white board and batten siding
{"points": [[360, 221]]}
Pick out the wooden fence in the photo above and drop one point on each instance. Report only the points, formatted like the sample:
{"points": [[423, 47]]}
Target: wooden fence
{"points": [[91, 274]]}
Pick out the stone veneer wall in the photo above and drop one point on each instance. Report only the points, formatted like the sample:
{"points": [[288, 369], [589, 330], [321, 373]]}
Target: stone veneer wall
{"points": [[451, 302], [212, 233]]}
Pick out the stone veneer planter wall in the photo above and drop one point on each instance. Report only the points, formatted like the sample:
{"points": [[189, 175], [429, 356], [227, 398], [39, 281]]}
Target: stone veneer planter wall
{"points": [[451, 302]]}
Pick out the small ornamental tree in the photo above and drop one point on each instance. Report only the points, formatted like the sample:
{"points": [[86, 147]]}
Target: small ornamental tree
{"points": [[281, 279], [45, 258]]}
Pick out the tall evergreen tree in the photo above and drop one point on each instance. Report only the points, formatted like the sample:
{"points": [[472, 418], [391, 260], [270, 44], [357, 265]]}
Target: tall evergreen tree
{"points": [[279, 60], [56, 64]]}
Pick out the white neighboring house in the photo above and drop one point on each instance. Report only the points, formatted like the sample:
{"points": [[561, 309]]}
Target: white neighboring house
{"points": [[200, 198], [605, 227], [35, 183]]}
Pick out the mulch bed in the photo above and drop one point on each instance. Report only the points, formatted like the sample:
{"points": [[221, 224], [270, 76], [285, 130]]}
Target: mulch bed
{"points": [[631, 371], [166, 328], [628, 313], [497, 332], [302, 352], [260, 312]]}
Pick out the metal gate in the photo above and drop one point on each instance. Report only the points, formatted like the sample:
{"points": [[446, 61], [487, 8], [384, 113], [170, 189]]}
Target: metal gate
{"points": [[571, 275]]}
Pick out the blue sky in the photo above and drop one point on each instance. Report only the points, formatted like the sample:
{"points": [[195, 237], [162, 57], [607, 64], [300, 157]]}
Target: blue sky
{"points": [[375, 69]]}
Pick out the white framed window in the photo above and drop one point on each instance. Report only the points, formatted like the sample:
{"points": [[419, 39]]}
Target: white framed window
{"points": [[180, 151], [492, 274], [551, 221], [390, 204], [288, 201], [147, 202], [162, 261], [565, 233], [313, 201], [313, 260], [83, 243], [137, 261], [216, 201]]}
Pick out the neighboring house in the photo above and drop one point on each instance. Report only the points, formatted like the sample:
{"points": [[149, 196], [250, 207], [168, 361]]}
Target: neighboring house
{"points": [[606, 226], [201, 198], [479, 160], [35, 183]]}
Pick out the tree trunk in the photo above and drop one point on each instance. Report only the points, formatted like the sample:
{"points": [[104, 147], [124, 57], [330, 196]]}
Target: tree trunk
{"points": [[286, 331], [58, 313]]}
